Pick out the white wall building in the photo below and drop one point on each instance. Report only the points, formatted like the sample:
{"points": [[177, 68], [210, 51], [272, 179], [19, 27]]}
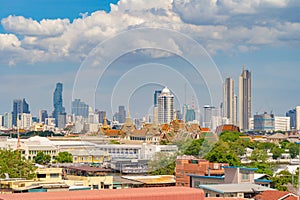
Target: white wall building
{"points": [[282, 123], [297, 118], [25, 121], [165, 106]]}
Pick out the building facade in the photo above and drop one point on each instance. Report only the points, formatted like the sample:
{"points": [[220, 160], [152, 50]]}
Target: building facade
{"points": [[19, 106], [58, 102], [244, 99], [229, 101], [165, 106], [80, 108]]}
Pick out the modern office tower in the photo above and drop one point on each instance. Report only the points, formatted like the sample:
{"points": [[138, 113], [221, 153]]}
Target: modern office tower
{"points": [[165, 105], [122, 114], [19, 106], [208, 113], [229, 101], [61, 120], [1, 120], [282, 123], [7, 120], [189, 114], [80, 108], [292, 115], [58, 102], [101, 116], [297, 118], [42, 116], [244, 99], [25, 121], [264, 122], [155, 108]]}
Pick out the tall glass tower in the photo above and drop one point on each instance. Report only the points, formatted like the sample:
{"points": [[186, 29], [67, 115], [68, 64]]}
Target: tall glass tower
{"points": [[58, 102], [19, 106]]}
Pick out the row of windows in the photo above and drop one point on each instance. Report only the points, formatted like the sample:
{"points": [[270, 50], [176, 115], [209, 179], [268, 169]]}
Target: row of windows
{"points": [[45, 152]]}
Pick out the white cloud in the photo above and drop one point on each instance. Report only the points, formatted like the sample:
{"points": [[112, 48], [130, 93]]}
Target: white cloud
{"points": [[226, 25]]}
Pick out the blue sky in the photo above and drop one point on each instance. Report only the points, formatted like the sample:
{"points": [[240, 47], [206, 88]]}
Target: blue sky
{"points": [[44, 42]]}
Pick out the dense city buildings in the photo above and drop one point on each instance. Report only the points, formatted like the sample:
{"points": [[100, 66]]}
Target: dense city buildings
{"points": [[19, 106], [58, 103], [80, 108], [165, 104], [229, 101], [244, 99], [42, 116]]}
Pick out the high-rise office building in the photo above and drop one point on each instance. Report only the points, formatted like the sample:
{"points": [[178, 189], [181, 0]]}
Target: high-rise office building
{"points": [[244, 99], [42, 116], [208, 113], [155, 107], [25, 121], [165, 105], [80, 108], [229, 101], [264, 122], [7, 120], [58, 102], [292, 115], [297, 118], [1, 120], [102, 115], [122, 114], [19, 106]]}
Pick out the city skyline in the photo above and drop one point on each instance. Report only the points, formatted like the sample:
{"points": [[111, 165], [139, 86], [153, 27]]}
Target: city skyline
{"points": [[43, 48]]}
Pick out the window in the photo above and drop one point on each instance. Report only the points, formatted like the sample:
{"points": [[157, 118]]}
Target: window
{"points": [[54, 175], [41, 175], [245, 177]]}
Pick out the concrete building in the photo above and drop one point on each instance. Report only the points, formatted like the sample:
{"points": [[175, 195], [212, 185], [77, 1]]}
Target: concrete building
{"points": [[80, 108], [165, 103], [42, 116], [282, 123], [229, 101], [25, 121], [237, 182], [208, 113], [297, 118], [186, 165], [244, 99], [292, 115], [19, 106], [7, 120], [264, 122]]}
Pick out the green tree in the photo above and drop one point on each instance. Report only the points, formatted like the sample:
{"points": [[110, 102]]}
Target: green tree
{"points": [[42, 158], [162, 164], [194, 147], [222, 153], [228, 136], [284, 144], [276, 151], [293, 149], [259, 155], [266, 145], [12, 163], [64, 157], [282, 179]]}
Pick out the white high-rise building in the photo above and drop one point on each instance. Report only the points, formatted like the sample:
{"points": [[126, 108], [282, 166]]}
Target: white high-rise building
{"points": [[25, 121], [7, 120], [1, 120], [244, 99], [229, 101], [282, 123], [297, 118], [165, 104]]}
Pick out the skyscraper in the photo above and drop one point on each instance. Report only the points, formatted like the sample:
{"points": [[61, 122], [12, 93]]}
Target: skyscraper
{"points": [[19, 106], [229, 104], [155, 108], [165, 104], [292, 115], [43, 115], [80, 108], [102, 115], [58, 102], [244, 99], [122, 114], [208, 113]]}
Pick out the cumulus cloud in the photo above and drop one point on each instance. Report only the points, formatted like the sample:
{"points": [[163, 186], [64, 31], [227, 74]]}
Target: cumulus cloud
{"points": [[219, 25]]}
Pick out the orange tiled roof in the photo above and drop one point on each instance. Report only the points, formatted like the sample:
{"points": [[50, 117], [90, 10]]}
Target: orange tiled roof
{"points": [[274, 195]]}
